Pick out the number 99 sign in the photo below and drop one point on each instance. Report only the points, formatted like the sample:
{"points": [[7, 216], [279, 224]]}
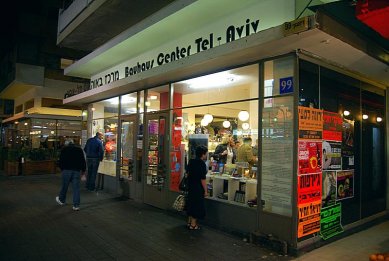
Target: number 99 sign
{"points": [[286, 85]]}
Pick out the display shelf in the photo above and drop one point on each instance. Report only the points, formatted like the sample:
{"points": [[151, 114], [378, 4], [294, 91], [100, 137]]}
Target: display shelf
{"points": [[235, 190]]}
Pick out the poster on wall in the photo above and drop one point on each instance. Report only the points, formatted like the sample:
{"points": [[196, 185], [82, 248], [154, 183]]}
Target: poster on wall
{"points": [[309, 156], [310, 123], [309, 218], [332, 157], [329, 188], [347, 150], [332, 126], [344, 184], [309, 188], [331, 221]]}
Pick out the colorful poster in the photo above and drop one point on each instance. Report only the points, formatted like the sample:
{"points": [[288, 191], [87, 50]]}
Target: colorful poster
{"points": [[329, 188], [332, 157], [310, 135], [309, 156], [310, 119], [332, 126], [344, 184], [309, 218], [330, 223], [309, 188], [348, 144]]}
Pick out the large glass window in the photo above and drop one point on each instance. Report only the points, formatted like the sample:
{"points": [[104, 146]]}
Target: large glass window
{"points": [[277, 136], [219, 111], [105, 120]]}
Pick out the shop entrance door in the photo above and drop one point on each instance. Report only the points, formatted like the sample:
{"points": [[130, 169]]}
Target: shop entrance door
{"points": [[129, 157], [156, 158]]}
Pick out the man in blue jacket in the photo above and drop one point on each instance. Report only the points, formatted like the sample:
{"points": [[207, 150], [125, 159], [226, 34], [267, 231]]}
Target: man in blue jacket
{"points": [[94, 154]]}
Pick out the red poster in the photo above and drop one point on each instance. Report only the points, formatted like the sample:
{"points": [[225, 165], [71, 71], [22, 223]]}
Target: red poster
{"points": [[309, 218], [309, 188], [309, 156], [332, 126]]}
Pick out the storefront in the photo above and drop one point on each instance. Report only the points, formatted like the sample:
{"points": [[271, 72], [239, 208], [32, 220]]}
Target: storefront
{"points": [[317, 129]]}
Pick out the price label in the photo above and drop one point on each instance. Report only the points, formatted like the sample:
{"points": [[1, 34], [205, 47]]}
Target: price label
{"points": [[286, 85]]}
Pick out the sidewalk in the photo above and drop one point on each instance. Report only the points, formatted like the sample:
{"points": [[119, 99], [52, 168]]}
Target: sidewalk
{"points": [[34, 227]]}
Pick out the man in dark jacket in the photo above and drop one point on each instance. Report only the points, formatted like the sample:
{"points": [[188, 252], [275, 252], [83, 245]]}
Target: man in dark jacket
{"points": [[72, 163], [94, 154]]}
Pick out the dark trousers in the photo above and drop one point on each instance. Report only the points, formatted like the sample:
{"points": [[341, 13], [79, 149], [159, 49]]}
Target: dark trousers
{"points": [[93, 166]]}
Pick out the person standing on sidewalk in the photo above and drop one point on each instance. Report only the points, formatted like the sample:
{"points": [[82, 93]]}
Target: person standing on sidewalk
{"points": [[72, 163], [94, 154], [197, 188]]}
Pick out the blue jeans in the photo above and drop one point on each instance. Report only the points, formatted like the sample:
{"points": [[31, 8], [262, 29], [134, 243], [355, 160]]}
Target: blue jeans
{"points": [[93, 166], [72, 176]]}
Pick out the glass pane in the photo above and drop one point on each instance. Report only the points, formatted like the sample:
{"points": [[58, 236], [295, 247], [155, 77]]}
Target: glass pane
{"points": [[108, 165], [231, 85], [69, 125], [127, 143], [128, 104], [279, 78], [277, 155], [157, 98], [156, 172]]}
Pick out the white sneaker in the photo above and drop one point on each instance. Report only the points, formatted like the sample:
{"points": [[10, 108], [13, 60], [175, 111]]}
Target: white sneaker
{"points": [[59, 201], [76, 208]]}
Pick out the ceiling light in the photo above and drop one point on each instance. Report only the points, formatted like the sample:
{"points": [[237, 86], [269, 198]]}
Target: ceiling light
{"points": [[93, 109], [153, 97], [147, 103], [221, 79], [204, 122], [26, 123], [365, 116], [245, 126], [226, 124], [379, 119], [346, 113], [243, 115], [208, 117], [269, 83], [16, 122]]}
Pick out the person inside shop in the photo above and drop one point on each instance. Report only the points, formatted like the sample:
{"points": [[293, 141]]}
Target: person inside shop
{"points": [[94, 154], [224, 152], [255, 148], [197, 187], [72, 164], [245, 152]]}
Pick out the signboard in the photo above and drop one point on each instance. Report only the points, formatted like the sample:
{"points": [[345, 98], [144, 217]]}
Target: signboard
{"points": [[332, 126], [330, 223], [309, 156], [309, 218], [344, 184], [286, 85], [296, 26], [309, 188], [332, 157], [329, 188]]}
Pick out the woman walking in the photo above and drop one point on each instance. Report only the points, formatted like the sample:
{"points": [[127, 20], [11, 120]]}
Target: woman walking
{"points": [[197, 188]]}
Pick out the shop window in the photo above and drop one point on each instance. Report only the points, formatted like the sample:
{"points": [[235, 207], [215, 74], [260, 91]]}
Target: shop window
{"points": [[129, 104], [309, 84], [105, 120], [225, 124], [277, 136], [157, 99]]}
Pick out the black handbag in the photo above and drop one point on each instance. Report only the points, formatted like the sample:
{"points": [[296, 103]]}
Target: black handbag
{"points": [[183, 186]]}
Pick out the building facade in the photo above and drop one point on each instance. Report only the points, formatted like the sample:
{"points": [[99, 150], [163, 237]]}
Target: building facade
{"points": [[302, 93]]}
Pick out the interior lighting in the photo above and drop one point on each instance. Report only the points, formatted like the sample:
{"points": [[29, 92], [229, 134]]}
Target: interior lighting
{"points": [[204, 122], [226, 124], [93, 109], [221, 79], [26, 123], [125, 100], [379, 119], [153, 97], [208, 117], [16, 122], [245, 126], [243, 115], [147, 103], [365, 116], [346, 113]]}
